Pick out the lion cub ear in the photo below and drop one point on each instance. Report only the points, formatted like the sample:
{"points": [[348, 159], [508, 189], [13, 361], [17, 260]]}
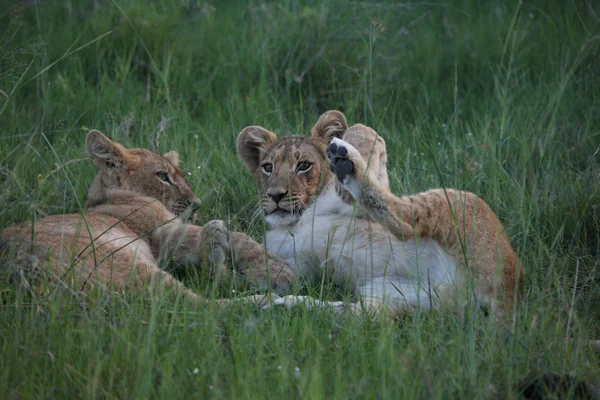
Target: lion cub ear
{"points": [[173, 157], [251, 141], [332, 124], [105, 152]]}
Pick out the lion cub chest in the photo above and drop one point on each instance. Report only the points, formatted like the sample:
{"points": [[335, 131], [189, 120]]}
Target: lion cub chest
{"points": [[329, 238]]}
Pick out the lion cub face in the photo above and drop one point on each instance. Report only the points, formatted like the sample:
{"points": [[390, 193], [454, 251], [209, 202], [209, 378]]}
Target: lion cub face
{"points": [[290, 169], [137, 170]]}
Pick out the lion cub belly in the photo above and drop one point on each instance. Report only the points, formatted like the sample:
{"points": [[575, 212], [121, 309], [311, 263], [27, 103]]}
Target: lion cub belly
{"points": [[357, 252]]}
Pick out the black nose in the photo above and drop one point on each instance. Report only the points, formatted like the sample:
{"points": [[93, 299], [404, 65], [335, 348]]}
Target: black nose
{"points": [[277, 196]]}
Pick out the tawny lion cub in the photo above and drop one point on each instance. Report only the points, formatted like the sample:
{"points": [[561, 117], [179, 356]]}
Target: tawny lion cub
{"points": [[132, 221], [432, 249]]}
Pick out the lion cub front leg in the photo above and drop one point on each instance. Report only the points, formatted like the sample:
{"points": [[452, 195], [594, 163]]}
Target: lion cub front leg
{"points": [[214, 249], [251, 260], [185, 243], [352, 171]]}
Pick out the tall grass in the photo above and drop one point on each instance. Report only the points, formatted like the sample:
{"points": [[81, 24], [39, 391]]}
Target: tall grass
{"points": [[499, 98]]}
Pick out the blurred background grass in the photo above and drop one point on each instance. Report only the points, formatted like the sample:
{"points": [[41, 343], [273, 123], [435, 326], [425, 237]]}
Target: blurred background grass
{"points": [[500, 98]]}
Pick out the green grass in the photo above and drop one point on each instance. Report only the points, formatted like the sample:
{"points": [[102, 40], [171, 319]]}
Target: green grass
{"points": [[499, 98]]}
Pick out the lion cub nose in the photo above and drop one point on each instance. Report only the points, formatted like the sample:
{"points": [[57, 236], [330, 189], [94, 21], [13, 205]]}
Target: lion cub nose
{"points": [[277, 196]]}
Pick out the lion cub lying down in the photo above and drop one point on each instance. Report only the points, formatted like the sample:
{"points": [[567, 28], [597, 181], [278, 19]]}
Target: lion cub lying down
{"points": [[132, 222], [429, 250]]}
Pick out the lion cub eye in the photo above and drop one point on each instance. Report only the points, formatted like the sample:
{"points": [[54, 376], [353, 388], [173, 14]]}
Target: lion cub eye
{"points": [[163, 176], [303, 166], [267, 168]]}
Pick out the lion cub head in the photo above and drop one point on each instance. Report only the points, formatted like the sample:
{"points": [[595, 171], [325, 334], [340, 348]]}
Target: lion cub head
{"points": [[139, 171], [290, 169]]}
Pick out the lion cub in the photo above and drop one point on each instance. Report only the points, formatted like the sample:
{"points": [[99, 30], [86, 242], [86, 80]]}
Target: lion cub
{"points": [[429, 250], [133, 220]]}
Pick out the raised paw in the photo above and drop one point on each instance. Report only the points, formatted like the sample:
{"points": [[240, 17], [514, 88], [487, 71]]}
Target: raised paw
{"points": [[347, 164], [340, 165], [217, 242]]}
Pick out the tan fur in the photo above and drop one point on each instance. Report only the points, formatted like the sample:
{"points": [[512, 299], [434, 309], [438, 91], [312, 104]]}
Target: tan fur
{"points": [[257, 146], [132, 223], [460, 222]]}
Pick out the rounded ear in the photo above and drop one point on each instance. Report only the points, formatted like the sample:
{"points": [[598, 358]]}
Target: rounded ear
{"points": [[173, 157], [251, 141], [331, 124], [105, 152]]}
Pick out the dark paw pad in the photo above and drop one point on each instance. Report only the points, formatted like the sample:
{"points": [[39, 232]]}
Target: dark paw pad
{"points": [[343, 167], [335, 151], [338, 161], [331, 149]]}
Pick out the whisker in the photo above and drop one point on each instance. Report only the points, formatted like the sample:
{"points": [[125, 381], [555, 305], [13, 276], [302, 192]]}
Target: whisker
{"points": [[256, 214]]}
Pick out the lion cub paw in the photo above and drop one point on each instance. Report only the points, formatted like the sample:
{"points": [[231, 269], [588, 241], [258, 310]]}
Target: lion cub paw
{"points": [[347, 164], [217, 242], [282, 276], [274, 275]]}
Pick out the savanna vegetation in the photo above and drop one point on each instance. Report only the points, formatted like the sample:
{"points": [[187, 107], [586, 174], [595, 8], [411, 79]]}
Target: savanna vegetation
{"points": [[501, 98]]}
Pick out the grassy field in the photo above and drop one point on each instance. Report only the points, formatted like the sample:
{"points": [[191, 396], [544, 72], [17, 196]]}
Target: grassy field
{"points": [[501, 98]]}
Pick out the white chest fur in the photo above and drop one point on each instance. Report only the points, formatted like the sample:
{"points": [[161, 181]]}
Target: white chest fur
{"points": [[361, 255]]}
